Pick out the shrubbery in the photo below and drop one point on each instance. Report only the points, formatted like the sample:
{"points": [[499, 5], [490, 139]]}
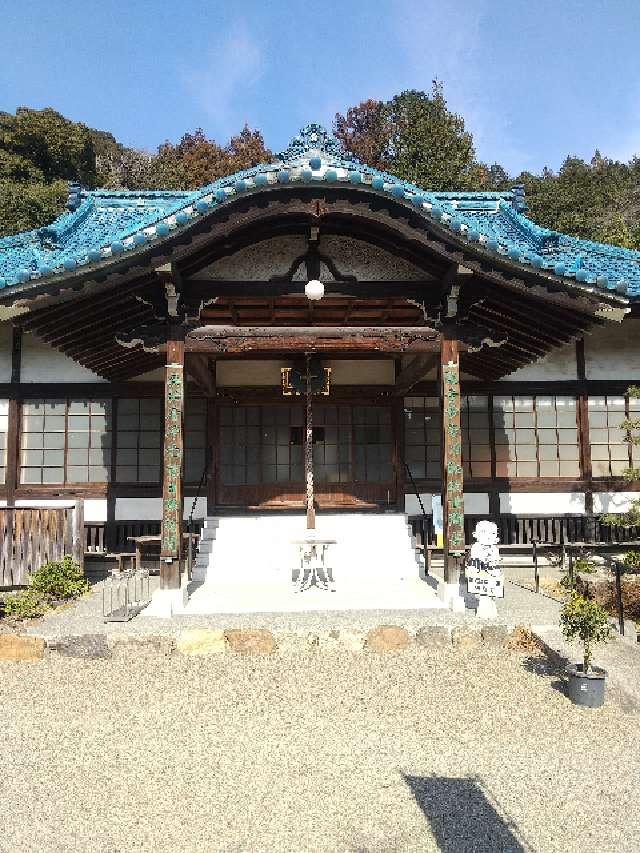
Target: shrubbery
{"points": [[586, 621], [56, 580]]}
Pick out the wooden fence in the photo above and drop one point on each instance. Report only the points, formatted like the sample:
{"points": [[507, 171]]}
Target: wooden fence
{"points": [[32, 535], [522, 530]]}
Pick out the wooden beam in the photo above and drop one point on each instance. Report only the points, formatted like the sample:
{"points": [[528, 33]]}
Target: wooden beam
{"points": [[203, 371], [415, 371], [203, 289], [234, 339], [213, 332]]}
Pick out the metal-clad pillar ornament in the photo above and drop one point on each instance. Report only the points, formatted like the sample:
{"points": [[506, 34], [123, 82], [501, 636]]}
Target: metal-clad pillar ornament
{"points": [[452, 474], [171, 544]]}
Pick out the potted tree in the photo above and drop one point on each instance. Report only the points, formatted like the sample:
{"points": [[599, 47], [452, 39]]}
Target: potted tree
{"points": [[588, 622]]}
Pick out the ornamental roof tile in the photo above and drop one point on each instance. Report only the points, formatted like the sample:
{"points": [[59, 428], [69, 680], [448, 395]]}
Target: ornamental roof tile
{"points": [[100, 224]]}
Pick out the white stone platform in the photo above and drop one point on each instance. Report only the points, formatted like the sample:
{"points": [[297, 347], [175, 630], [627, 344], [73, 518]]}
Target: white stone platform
{"points": [[246, 564]]}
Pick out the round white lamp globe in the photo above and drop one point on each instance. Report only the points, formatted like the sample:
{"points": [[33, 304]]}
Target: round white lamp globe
{"points": [[314, 289]]}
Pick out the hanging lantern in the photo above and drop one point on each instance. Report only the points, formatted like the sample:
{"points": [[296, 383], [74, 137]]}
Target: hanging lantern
{"points": [[314, 290]]}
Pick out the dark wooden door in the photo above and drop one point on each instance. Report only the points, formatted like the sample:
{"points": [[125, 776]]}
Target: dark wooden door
{"points": [[261, 455]]}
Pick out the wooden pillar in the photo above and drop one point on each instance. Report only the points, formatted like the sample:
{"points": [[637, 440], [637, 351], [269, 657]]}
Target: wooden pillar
{"points": [[308, 454], [452, 476], [173, 458]]}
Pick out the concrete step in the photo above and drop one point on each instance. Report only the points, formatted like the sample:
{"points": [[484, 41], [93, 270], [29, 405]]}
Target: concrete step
{"points": [[258, 549]]}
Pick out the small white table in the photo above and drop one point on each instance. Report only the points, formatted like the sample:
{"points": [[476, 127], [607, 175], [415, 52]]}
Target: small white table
{"points": [[313, 568]]}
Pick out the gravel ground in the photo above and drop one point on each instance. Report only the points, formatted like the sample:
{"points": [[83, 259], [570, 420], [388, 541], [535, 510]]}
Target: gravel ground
{"points": [[519, 606], [413, 751]]}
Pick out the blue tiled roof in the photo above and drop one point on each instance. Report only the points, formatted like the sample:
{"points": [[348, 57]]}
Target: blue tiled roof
{"points": [[101, 224]]}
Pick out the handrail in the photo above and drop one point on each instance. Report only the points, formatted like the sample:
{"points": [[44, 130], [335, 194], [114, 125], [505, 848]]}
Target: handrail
{"points": [[415, 488], [205, 470]]}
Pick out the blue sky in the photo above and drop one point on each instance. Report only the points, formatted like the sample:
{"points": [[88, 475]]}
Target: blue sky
{"points": [[533, 80]]}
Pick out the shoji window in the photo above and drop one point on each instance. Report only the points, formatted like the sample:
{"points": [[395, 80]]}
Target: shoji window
{"points": [[476, 444], [372, 444], [536, 436], [422, 436], [4, 425], [609, 450], [195, 439], [65, 441], [139, 441]]}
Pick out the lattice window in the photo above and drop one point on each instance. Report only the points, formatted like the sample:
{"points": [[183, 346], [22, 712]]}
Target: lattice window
{"points": [[195, 439], [4, 425], [261, 444], [372, 444], [422, 436], [65, 441], [423, 440], [332, 458], [609, 450], [476, 443], [536, 436], [139, 440]]}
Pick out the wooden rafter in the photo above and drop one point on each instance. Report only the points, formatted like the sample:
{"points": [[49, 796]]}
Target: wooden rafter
{"points": [[415, 371]]}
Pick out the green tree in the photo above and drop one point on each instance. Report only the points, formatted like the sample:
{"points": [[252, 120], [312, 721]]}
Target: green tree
{"points": [[56, 146], [428, 143], [29, 205], [365, 131], [197, 160], [416, 137]]}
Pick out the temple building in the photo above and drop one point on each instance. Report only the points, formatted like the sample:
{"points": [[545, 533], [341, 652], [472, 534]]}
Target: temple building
{"points": [[313, 342]]}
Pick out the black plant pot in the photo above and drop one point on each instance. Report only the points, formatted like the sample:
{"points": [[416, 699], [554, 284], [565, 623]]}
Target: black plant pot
{"points": [[586, 690]]}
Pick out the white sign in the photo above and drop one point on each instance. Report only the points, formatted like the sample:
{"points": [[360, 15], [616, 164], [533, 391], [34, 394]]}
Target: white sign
{"points": [[482, 580]]}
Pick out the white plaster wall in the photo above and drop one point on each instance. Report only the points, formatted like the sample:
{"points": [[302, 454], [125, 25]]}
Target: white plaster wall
{"points": [[95, 509], [558, 365], [613, 501], [42, 363], [613, 351], [475, 503], [150, 509], [267, 373], [6, 337], [542, 503], [200, 510], [142, 509], [44, 502]]}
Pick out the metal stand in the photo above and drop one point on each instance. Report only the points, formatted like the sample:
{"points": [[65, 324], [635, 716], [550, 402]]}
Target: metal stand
{"points": [[125, 594]]}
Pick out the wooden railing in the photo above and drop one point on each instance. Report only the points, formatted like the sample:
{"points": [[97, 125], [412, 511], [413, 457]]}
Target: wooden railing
{"points": [[548, 529], [97, 540], [32, 535]]}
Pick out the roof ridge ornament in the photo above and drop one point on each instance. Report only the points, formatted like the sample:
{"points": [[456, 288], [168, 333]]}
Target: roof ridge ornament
{"points": [[314, 137]]}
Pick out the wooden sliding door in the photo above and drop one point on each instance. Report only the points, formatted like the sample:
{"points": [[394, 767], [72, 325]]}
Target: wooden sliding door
{"points": [[261, 455]]}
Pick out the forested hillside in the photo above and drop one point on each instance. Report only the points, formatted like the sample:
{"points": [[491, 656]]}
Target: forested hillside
{"points": [[414, 135]]}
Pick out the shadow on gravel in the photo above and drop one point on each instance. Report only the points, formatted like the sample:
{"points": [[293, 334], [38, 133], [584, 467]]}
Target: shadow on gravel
{"points": [[545, 668], [462, 818]]}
